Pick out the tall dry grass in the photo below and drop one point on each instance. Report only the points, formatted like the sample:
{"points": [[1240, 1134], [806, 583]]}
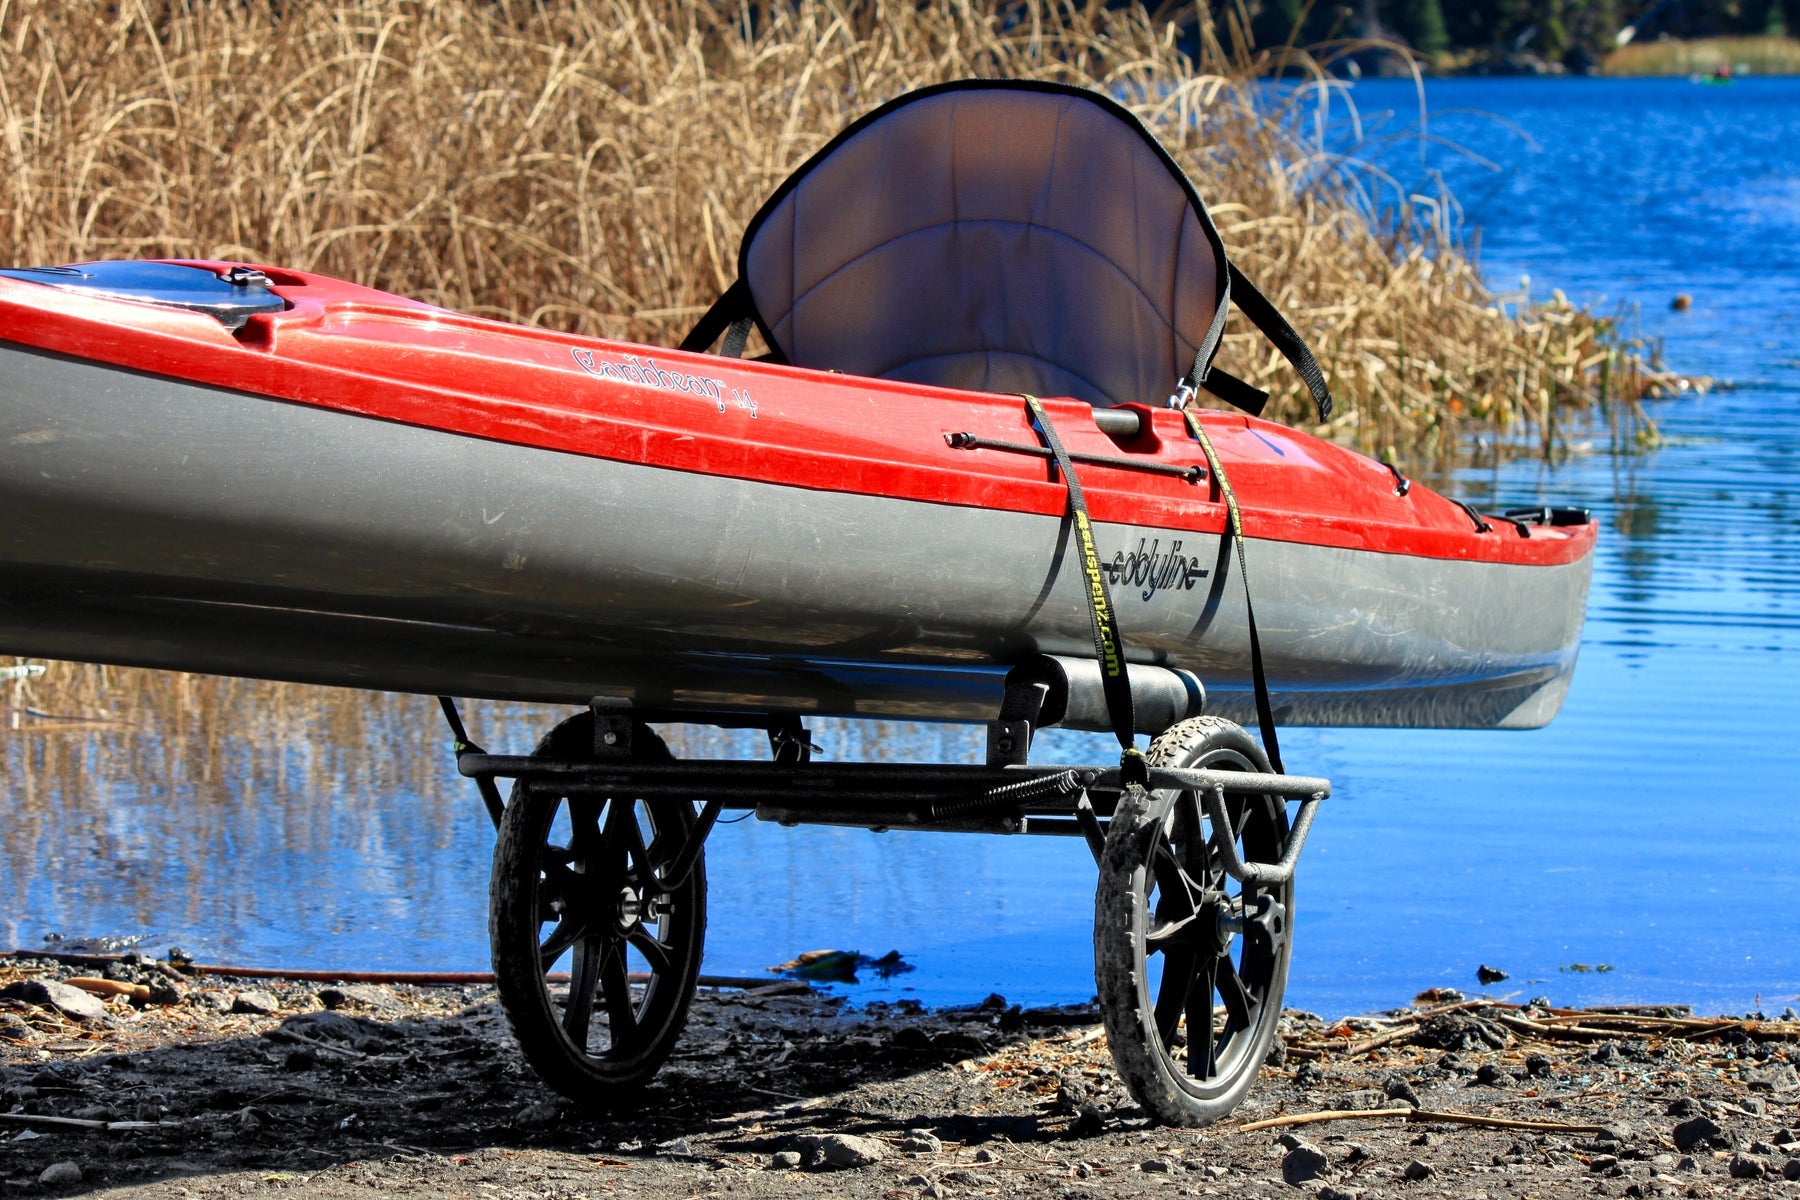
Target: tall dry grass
{"points": [[589, 164]]}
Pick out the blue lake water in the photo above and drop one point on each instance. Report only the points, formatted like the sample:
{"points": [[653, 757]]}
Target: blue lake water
{"points": [[1652, 829]]}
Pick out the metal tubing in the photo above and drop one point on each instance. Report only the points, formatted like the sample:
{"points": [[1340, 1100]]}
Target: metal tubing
{"points": [[1257, 873], [461, 745], [1257, 782], [970, 441], [856, 778], [963, 797], [1089, 827], [882, 820], [873, 801], [684, 862], [1055, 827]]}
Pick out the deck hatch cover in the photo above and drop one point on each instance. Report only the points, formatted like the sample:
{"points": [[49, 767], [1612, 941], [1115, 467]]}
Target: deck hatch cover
{"points": [[231, 297]]}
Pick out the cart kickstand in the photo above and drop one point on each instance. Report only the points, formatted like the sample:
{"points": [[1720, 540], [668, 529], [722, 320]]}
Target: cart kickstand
{"points": [[461, 745]]}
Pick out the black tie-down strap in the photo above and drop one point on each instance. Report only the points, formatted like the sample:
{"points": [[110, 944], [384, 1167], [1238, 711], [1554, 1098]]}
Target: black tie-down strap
{"points": [[1109, 647], [732, 314], [1266, 317], [1265, 714]]}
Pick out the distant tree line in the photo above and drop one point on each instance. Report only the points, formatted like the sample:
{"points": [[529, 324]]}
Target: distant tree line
{"points": [[1506, 34]]}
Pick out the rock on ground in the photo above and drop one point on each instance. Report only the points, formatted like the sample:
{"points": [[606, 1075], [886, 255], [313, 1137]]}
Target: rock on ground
{"points": [[61, 1174], [844, 1150], [255, 1001], [358, 995], [47, 993], [1303, 1161]]}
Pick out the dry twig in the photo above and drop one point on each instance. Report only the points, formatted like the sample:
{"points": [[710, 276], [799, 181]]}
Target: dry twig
{"points": [[1415, 1116]]}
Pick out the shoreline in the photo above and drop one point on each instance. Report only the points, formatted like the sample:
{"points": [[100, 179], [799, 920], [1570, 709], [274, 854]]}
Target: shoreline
{"points": [[346, 1090]]}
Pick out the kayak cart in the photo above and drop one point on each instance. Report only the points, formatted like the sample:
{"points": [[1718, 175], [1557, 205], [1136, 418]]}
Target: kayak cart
{"points": [[598, 897], [600, 859]]}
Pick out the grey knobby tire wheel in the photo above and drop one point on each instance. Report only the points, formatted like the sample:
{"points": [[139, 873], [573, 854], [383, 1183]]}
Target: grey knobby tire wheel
{"points": [[574, 897], [1189, 964]]}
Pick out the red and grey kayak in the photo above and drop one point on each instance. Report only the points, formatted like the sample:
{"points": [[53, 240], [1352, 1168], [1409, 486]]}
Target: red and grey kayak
{"points": [[263, 472]]}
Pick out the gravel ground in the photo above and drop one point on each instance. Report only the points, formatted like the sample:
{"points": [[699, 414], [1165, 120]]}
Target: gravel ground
{"points": [[212, 1086]]}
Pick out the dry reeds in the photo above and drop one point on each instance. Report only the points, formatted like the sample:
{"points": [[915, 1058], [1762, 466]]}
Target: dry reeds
{"points": [[1746, 55], [588, 164]]}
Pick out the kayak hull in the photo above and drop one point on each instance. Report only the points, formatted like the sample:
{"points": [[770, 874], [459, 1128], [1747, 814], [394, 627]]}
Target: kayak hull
{"points": [[165, 522]]}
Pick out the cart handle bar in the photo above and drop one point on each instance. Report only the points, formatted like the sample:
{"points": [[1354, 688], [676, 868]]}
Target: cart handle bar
{"points": [[1255, 874]]}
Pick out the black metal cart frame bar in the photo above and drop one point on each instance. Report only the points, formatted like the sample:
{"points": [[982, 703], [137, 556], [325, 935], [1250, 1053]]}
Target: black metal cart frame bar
{"points": [[1043, 800]]}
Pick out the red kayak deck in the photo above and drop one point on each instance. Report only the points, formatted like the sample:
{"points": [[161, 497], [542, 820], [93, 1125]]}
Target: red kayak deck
{"points": [[352, 349]]}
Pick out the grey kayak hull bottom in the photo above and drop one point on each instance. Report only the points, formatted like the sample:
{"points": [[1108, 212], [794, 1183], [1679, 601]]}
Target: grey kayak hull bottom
{"points": [[335, 650]]}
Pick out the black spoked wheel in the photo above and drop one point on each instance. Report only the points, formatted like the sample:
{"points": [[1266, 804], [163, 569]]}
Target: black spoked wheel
{"points": [[595, 961], [1190, 964]]}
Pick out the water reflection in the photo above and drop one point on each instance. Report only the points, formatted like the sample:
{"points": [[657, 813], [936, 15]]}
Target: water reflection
{"points": [[182, 805]]}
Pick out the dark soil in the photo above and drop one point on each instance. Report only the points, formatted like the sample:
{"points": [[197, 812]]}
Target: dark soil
{"points": [[418, 1091]]}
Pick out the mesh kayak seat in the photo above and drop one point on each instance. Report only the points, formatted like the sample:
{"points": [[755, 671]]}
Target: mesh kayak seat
{"points": [[997, 236]]}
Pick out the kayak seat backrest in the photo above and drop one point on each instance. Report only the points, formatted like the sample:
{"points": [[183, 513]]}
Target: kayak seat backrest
{"points": [[995, 236]]}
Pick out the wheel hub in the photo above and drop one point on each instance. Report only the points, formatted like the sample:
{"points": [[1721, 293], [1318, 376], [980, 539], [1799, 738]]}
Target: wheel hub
{"points": [[1228, 922], [629, 910]]}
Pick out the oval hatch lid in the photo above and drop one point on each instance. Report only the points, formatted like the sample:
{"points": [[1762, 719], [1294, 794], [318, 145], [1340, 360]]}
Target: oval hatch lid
{"points": [[232, 296]]}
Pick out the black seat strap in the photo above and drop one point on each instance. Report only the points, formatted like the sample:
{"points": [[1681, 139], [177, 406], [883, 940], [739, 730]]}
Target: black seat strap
{"points": [[1265, 713], [1235, 392], [732, 315], [1109, 647], [1266, 317]]}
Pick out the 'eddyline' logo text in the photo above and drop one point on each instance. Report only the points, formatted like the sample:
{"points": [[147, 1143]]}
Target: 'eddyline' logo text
{"points": [[1152, 571]]}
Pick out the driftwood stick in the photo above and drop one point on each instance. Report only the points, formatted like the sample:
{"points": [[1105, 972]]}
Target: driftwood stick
{"points": [[1626, 1021], [419, 978], [1409, 1025], [109, 987], [1460, 1006], [50, 1122], [1573, 1033], [1314, 1118], [1426, 1116], [1416, 1116], [1380, 1040]]}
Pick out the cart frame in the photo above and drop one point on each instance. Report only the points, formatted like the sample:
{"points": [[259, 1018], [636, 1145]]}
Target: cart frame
{"points": [[631, 873]]}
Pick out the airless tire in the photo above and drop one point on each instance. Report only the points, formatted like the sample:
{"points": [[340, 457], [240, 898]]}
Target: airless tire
{"points": [[595, 957], [1191, 965]]}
